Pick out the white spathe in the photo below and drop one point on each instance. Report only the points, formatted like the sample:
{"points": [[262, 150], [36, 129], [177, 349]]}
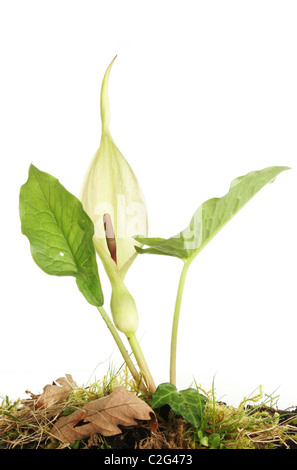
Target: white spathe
{"points": [[111, 187]]}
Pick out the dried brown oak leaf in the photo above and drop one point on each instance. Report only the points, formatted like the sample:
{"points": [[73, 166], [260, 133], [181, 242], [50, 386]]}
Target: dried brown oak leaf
{"points": [[103, 416], [53, 394]]}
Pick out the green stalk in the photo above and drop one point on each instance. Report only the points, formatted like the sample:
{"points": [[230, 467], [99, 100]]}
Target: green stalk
{"points": [[175, 322], [121, 347], [141, 362]]}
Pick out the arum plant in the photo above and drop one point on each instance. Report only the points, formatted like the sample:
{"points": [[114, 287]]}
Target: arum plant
{"points": [[110, 220]]}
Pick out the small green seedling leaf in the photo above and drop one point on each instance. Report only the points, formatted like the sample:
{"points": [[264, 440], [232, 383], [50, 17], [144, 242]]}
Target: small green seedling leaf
{"points": [[210, 217], [60, 232], [214, 441], [204, 441], [187, 403]]}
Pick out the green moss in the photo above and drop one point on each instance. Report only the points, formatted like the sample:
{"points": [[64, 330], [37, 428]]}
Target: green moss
{"points": [[254, 424]]}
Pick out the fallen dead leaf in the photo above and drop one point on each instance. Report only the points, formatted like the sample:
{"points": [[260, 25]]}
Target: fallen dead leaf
{"points": [[103, 416], [57, 392]]}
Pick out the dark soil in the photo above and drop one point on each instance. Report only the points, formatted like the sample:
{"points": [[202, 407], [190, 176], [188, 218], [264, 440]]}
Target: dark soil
{"points": [[129, 439], [169, 435]]}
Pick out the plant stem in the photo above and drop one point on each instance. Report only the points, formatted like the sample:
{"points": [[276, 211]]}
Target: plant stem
{"points": [[121, 347], [141, 362], [175, 322]]}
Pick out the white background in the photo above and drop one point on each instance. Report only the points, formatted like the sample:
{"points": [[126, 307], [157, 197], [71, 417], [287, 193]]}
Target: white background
{"points": [[201, 92]]}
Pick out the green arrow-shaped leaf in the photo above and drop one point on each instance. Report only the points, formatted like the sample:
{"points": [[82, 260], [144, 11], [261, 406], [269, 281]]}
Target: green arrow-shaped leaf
{"points": [[60, 232], [210, 217], [187, 403]]}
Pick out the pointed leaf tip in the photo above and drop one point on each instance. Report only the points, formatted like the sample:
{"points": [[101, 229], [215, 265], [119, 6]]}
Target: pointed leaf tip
{"points": [[104, 101]]}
